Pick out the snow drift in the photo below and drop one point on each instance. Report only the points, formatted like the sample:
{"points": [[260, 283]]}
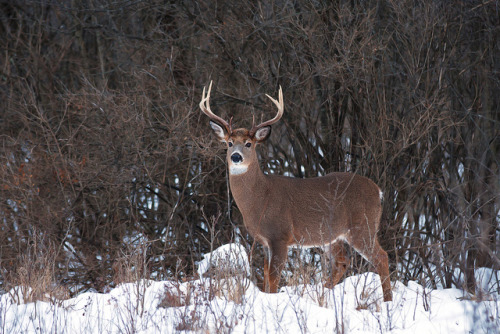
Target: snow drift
{"points": [[232, 303]]}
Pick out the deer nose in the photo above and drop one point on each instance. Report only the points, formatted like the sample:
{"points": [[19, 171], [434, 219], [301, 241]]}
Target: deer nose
{"points": [[236, 158]]}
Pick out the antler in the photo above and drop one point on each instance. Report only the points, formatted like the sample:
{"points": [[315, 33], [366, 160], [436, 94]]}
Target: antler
{"points": [[205, 107], [281, 107]]}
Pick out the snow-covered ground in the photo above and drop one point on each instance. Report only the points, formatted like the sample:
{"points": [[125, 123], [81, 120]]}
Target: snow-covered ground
{"points": [[225, 300]]}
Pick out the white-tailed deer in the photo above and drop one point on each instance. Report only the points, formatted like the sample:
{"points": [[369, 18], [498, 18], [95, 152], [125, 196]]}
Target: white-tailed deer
{"points": [[280, 212]]}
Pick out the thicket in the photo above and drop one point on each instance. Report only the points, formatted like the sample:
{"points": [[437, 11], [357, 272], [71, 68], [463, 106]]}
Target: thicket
{"points": [[109, 170]]}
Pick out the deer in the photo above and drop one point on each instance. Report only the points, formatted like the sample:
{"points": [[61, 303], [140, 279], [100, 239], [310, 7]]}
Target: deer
{"points": [[280, 212]]}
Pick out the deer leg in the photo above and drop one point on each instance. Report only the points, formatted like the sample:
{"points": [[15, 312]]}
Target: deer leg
{"points": [[339, 263], [266, 269], [381, 262], [272, 268], [378, 257]]}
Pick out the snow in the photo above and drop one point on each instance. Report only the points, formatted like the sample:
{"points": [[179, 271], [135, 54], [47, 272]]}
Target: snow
{"points": [[227, 257], [224, 300]]}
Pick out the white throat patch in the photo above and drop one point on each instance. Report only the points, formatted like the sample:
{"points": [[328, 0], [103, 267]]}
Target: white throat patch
{"points": [[235, 169]]}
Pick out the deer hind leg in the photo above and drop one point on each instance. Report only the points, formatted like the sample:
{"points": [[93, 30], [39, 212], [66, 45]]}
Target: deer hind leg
{"points": [[339, 263], [381, 262], [274, 262], [266, 270], [374, 253]]}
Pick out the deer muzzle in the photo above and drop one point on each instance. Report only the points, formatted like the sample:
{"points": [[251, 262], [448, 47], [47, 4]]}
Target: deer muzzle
{"points": [[236, 158]]}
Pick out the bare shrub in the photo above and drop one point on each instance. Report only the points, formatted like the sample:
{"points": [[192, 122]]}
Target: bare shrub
{"points": [[34, 279], [102, 143]]}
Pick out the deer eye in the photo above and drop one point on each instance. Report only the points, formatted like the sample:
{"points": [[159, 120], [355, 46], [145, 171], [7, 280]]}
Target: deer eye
{"points": [[230, 144], [248, 144]]}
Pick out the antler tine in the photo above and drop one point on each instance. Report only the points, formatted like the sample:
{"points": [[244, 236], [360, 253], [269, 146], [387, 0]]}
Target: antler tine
{"points": [[281, 107], [205, 107]]}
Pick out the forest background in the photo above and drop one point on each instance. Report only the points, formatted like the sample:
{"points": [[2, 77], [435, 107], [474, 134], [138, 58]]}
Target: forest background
{"points": [[109, 168]]}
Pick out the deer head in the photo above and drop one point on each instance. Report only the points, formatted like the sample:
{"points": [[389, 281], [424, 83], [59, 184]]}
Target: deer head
{"points": [[240, 142]]}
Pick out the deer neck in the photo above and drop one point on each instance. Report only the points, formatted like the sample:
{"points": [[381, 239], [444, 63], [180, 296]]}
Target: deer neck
{"points": [[249, 186]]}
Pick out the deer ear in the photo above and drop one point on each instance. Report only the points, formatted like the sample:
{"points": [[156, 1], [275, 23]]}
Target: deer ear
{"points": [[219, 131], [262, 133]]}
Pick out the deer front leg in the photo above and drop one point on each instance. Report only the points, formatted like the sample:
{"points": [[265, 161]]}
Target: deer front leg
{"points": [[275, 260]]}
